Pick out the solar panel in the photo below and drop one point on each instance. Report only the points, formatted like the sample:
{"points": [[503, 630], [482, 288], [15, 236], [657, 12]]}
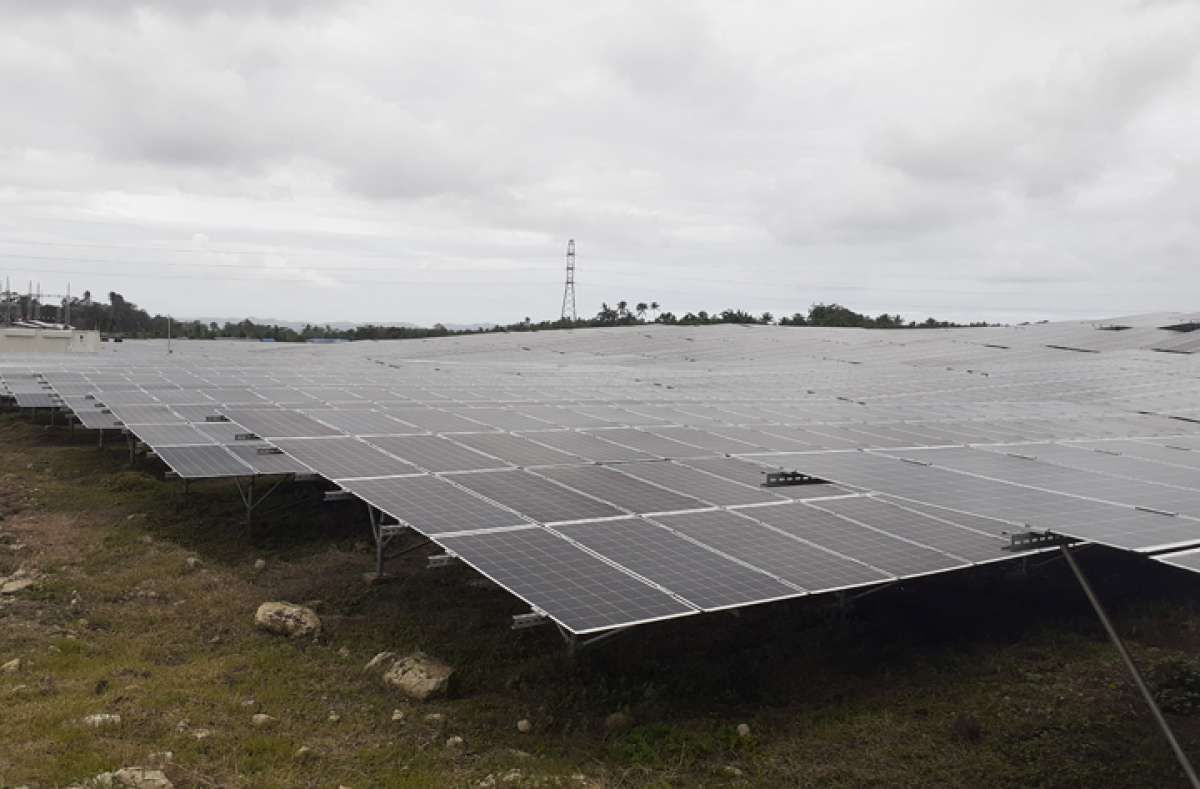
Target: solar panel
{"points": [[534, 496], [698, 484], [577, 590], [807, 566], [621, 490], [37, 399], [278, 423], [203, 462], [1185, 560], [435, 453], [343, 458], [650, 443], [704, 578], [516, 450], [169, 435], [940, 533], [257, 455], [503, 418], [435, 421], [145, 414], [587, 446], [888, 553], [361, 423], [431, 505]]}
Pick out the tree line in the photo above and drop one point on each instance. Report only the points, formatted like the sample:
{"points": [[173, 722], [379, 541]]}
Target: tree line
{"points": [[120, 317]]}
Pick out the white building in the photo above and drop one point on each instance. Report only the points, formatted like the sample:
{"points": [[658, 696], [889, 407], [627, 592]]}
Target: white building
{"points": [[47, 339]]}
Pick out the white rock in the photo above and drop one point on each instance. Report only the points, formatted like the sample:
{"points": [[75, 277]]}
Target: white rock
{"points": [[743, 730], [12, 666], [286, 619], [262, 720], [141, 778], [512, 778], [524, 726], [102, 720], [17, 582], [344, 652], [334, 717], [435, 719], [419, 676], [304, 754], [731, 771], [192, 562], [454, 743], [376, 663], [260, 565], [397, 716]]}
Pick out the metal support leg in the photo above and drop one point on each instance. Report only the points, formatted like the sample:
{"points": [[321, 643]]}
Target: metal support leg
{"points": [[1133, 670]]}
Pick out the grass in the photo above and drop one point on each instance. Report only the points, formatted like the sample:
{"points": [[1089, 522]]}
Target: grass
{"points": [[986, 678]]}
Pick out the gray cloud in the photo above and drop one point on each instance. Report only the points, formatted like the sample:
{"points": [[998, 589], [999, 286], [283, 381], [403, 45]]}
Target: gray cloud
{"points": [[954, 157]]}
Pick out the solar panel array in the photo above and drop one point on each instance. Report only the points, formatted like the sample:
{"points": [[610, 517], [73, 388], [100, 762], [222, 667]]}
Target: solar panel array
{"points": [[614, 477]]}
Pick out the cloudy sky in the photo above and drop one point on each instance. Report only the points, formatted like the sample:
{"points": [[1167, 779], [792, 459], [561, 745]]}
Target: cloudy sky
{"points": [[427, 161]]}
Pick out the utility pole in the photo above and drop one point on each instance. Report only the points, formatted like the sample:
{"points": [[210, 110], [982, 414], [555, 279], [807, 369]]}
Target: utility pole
{"points": [[568, 303]]}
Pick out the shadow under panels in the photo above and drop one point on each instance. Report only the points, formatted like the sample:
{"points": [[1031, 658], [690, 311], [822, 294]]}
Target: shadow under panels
{"points": [[578, 590], [343, 457]]}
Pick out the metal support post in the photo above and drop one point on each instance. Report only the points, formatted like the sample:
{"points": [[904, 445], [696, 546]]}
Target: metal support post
{"points": [[1182, 757]]}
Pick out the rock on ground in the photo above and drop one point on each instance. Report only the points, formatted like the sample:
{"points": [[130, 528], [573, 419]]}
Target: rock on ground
{"points": [[102, 720], [11, 667], [262, 721], [618, 721], [378, 662], [19, 581], [286, 619], [130, 778], [419, 676]]}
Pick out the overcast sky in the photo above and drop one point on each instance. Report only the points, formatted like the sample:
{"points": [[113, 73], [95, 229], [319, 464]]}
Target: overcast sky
{"points": [[427, 161]]}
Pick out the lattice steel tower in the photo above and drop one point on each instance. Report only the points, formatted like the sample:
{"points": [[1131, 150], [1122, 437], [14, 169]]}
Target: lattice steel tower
{"points": [[568, 305]]}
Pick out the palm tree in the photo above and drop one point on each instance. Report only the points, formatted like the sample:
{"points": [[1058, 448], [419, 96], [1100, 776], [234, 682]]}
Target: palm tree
{"points": [[640, 309], [622, 309], [654, 308]]}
